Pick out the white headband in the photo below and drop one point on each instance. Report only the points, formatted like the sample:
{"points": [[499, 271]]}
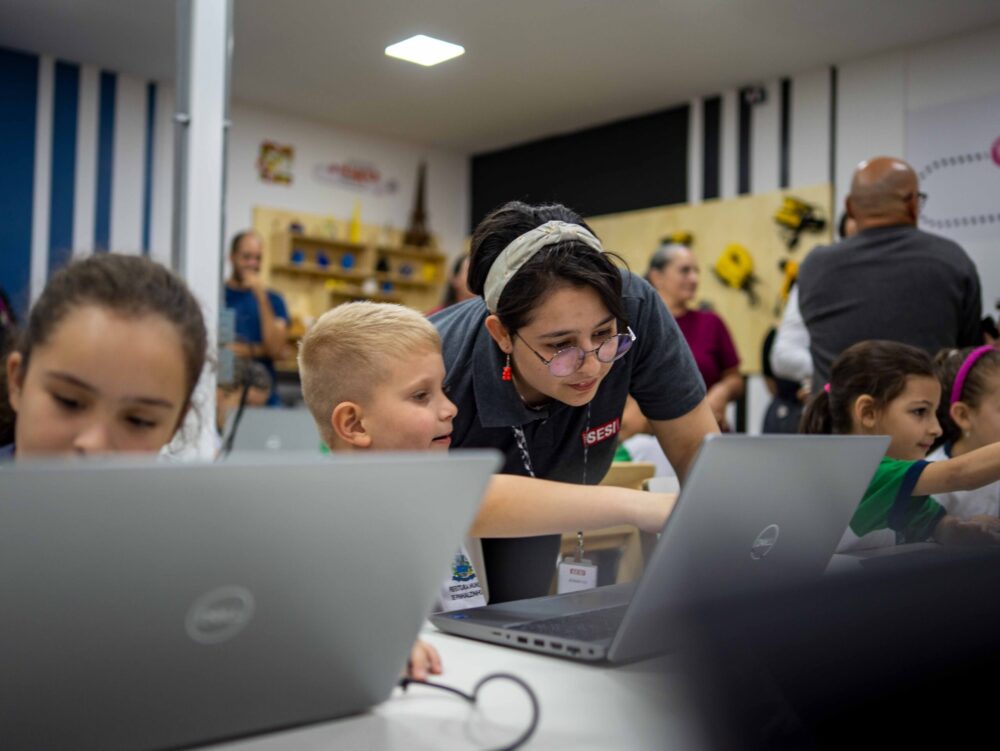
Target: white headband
{"points": [[522, 248]]}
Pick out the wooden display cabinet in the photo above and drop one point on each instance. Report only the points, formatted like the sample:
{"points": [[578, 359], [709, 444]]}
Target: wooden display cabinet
{"points": [[315, 270]]}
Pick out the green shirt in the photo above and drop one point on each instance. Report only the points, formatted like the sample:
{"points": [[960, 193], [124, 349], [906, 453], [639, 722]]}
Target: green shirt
{"points": [[889, 503], [622, 454]]}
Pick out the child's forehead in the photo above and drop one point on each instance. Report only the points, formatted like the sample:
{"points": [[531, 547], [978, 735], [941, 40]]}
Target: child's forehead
{"points": [[922, 386], [407, 365], [410, 360]]}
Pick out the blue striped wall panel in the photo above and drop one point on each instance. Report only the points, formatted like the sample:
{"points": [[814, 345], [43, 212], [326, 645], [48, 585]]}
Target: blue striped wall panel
{"points": [[147, 180], [18, 112], [105, 161]]}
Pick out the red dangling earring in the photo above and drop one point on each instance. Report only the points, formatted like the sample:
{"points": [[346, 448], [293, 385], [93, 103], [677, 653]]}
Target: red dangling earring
{"points": [[506, 374]]}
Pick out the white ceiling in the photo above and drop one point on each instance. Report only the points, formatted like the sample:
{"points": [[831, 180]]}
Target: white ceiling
{"points": [[532, 68]]}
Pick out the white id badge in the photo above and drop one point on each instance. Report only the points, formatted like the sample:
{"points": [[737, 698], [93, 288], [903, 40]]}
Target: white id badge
{"points": [[576, 574]]}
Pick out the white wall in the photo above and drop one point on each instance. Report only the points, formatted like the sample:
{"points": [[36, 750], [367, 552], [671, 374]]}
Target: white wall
{"points": [[317, 144], [765, 141], [877, 94], [874, 96], [871, 114], [809, 137]]}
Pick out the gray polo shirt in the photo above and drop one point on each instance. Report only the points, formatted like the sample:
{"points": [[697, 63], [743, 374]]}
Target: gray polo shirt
{"points": [[567, 444]]}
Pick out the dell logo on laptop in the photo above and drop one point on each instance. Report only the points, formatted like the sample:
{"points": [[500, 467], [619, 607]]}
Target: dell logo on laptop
{"points": [[219, 615], [764, 542]]}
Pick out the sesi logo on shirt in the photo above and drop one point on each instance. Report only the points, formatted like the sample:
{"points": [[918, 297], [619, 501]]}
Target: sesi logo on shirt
{"points": [[601, 432]]}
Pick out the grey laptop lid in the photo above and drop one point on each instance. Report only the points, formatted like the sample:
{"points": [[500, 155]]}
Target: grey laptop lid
{"points": [[274, 429], [156, 606], [754, 512]]}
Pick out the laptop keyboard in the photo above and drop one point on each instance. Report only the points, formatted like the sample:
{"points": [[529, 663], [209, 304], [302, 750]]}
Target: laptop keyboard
{"points": [[591, 626]]}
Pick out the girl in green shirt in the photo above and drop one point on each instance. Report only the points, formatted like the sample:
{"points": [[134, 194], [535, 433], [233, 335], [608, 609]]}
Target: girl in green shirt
{"points": [[889, 388]]}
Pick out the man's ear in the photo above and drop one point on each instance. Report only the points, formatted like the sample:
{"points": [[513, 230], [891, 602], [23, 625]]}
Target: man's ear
{"points": [[849, 208], [499, 333], [15, 379], [348, 425], [864, 414]]}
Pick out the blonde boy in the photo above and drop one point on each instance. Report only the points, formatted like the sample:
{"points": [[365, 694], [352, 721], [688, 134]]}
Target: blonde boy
{"points": [[372, 377]]}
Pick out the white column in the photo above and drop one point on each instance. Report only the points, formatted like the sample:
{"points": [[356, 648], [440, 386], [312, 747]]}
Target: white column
{"points": [[43, 177], [729, 146], [204, 32], [86, 161], [695, 147]]}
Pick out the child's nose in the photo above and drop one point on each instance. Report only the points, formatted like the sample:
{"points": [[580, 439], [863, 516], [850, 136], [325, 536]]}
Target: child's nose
{"points": [[936, 427], [95, 438]]}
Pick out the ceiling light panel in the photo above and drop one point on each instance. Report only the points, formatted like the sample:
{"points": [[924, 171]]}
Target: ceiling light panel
{"points": [[424, 50]]}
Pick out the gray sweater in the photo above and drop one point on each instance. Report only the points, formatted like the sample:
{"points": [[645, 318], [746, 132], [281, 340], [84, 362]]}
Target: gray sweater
{"points": [[897, 283]]}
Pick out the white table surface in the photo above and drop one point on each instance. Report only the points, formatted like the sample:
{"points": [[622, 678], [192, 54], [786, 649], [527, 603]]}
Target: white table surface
{"points": [[583, 706]]}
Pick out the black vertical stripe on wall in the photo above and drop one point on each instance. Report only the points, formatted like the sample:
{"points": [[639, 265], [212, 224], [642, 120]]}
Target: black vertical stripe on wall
{"points": [[833, 126], [786, 127], [745, 144], [631, 164], [711, 135]]}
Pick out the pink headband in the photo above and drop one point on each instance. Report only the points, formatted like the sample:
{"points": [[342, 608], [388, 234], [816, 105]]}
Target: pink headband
{"points": [[963, 372]]}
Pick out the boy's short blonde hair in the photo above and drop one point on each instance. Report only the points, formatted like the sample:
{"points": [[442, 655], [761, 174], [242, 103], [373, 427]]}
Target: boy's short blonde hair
{"points": [[345, 354]]}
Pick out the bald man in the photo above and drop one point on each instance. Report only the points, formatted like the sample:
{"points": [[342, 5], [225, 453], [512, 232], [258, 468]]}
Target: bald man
{"points": [[890, 280]]}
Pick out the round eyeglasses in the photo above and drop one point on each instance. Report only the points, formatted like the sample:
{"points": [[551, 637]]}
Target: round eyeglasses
{"points": [[567, 361]]}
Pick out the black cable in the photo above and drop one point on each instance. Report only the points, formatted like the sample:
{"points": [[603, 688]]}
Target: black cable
{"points": [[471, 698], [227, 445]]}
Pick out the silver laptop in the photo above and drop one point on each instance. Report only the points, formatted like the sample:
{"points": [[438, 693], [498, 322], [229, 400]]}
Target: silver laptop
{"points": [[149, 606], [274, 429], [755, 512]]}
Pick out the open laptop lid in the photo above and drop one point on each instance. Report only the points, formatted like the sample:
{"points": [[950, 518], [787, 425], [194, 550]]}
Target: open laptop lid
{"points": [[754, 513], [156, 606], [274, 429]]}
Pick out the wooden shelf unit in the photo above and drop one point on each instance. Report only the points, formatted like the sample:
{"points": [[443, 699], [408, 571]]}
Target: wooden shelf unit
{"points": [[315, 270], [418, 271]]}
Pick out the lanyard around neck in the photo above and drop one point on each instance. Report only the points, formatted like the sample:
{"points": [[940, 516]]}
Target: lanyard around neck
{"points": [[522, 445]]}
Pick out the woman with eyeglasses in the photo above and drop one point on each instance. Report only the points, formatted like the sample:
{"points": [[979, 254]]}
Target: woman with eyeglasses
{"points": [[540, 366]]}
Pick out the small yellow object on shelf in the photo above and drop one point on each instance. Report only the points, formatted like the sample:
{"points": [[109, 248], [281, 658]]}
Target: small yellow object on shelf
{"points": [[354, 228]]}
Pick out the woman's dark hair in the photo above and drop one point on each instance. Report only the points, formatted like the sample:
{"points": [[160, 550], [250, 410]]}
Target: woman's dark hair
{"points": [[129, 285], [565, 264], [450, 296], [975, 388], [875, 368]]}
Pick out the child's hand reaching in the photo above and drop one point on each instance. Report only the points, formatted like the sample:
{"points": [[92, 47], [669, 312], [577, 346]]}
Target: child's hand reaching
{"points": [[424, 661]]}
